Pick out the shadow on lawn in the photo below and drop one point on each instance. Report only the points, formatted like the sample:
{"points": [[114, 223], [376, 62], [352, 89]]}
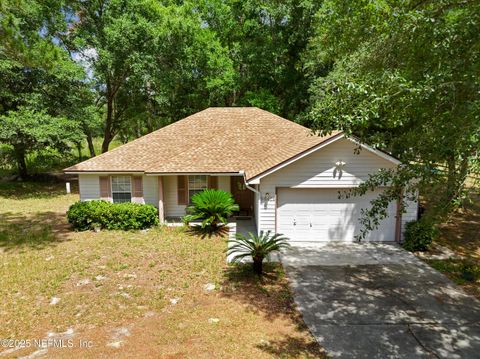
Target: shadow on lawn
{"points": [[461, 233], [270, 295], [293, 347], [203, 233], [32, 189], [37, 231]]}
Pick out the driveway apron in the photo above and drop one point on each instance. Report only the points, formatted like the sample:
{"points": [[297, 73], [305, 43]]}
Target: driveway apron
{"points": [[378, 301]]}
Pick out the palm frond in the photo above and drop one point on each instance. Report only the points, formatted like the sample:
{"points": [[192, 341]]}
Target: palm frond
{"points": [[212, 207], [256, 246]]}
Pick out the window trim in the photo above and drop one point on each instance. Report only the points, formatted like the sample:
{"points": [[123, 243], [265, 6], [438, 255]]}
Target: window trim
{"points": [[189, 198], [112, 191]]}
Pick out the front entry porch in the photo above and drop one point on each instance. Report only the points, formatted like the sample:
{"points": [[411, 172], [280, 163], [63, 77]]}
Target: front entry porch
{"points": [[171, 194], [242, 196]]}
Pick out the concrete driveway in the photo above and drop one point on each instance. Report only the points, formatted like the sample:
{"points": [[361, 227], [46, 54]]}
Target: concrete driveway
{"points": [[379, 301]]}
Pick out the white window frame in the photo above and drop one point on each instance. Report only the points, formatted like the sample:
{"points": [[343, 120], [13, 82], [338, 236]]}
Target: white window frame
{"points": [[130, 188], [196, 189]]}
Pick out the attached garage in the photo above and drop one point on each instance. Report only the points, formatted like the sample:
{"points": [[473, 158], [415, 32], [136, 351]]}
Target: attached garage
{"points": [[307, 215], [300, 198]]}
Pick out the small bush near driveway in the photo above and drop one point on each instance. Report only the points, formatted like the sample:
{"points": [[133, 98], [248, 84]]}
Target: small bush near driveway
{"points": [[462, 271], [256, 247], [89, 215], [419, 235]]}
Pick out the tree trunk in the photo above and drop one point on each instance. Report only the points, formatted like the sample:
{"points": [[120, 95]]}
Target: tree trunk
{"points": [[79, 149], [149, 109], [451, 178], [456, 178], [91, 148], [21, 163], [107, 132], [258, 265]]}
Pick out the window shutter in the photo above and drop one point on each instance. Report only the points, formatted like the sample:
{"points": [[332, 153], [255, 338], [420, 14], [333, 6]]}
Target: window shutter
{"points": [[213, 182], [137, 187], [105, 190], [182, 190]]}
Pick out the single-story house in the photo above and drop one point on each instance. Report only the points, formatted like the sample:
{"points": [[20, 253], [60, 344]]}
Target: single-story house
{"points": [[282, 176]]}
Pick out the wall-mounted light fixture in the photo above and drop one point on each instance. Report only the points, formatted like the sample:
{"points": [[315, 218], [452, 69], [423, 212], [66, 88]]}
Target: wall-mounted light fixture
{"points": [[338, 171], [267, 197]]}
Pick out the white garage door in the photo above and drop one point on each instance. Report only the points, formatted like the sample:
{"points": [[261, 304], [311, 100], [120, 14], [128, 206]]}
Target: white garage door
{"points": [[318, 215]]}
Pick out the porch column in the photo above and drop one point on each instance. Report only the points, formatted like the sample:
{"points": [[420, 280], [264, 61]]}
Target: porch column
{"points": [[161, 210]]}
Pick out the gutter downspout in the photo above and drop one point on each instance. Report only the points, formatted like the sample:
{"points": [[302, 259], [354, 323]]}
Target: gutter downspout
{"points": [[255, 191], [247, 185]]}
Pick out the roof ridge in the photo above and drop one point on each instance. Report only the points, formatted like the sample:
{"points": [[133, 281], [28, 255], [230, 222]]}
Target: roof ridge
{"points": [[218, 139]]}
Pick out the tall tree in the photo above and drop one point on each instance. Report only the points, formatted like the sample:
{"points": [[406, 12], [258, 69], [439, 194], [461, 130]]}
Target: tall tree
{"points": [[151, 63], [266, 40], [27, 130], [405, 79], [39, 84]]}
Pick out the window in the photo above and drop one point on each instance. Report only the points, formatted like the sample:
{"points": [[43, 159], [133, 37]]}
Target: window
{"points": [[121, 189], [196, 184]]}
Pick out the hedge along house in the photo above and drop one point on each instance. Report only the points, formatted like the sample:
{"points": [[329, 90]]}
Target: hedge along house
{"points": [[284, 178]]}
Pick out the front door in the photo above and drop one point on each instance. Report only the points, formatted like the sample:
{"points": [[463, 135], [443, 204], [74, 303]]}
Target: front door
{"points": [[242, 195]]}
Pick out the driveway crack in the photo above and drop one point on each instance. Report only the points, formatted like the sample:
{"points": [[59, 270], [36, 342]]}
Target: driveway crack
{"points": [[428, 350]]}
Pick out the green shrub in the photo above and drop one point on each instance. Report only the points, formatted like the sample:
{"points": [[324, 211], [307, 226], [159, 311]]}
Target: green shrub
{"points": [[212, 207], [419, 235], [87, 215], [469, 271], [257, 247], [460, 269]]}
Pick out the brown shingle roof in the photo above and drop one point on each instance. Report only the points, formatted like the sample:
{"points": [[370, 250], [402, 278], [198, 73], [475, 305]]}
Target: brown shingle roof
{"points": [[216, 140]]}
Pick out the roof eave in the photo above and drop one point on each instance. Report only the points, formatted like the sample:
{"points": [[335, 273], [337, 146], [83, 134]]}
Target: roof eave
{"points": [[256, 179]]}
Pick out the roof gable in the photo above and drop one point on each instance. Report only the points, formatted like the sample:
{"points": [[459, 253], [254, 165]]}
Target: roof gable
{"points": [[331, 140]]}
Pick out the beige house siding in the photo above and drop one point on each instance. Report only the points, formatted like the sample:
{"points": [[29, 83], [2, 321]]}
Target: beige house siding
{"points": [[90, 190], [89, 186], [316, 170], [172, 208], [256, 206]]}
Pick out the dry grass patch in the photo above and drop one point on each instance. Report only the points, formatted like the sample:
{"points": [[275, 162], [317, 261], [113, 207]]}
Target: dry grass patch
{"points": [[461, 235], [135, 294], [462, 231]]}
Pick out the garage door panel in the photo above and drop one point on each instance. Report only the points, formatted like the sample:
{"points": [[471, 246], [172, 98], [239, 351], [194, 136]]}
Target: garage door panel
{"points": [[318, 215]]}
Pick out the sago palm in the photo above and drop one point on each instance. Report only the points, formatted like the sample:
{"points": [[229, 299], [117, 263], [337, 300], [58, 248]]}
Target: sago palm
{"points": [[258, 247], [212, 207]]}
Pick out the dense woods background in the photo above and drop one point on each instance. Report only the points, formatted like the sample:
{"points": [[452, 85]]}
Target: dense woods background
{"points": [[77, 77]]}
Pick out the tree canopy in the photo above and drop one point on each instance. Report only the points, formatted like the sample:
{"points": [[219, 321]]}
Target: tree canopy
{"points": [[42, 90], [405, 78], [151, 63], [27, 130], [402, 76]]}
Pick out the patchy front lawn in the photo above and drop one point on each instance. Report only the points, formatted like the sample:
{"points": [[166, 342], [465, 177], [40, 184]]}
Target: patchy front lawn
{"points": [[460, 238], [133, 294]]}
